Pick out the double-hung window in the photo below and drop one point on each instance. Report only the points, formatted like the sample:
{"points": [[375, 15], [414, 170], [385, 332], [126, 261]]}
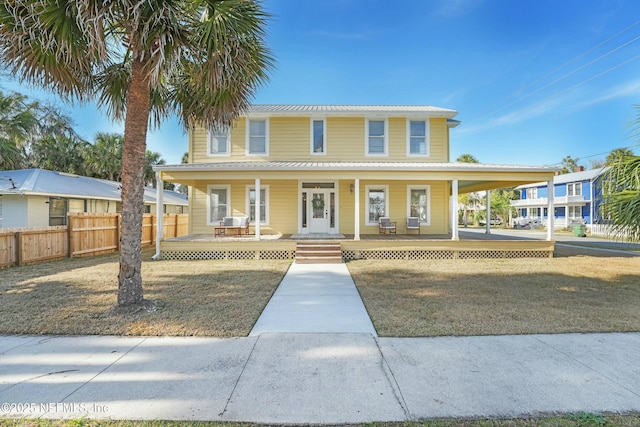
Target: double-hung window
{"points": [[417, 138], [218, 203], [574, 189], [264, 204], [376, 138], [318, 138], [257, 137], [377, 202], [419, 204], [219, 142]]}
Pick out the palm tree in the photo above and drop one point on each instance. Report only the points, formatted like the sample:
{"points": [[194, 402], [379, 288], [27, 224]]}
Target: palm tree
{"points": [[152, 158], [621, 197], [617, 154], [467, 158], [104, 157], [142, 60], [18, 124]]}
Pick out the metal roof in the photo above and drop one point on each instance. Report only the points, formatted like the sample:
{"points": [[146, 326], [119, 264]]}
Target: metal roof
{"points": [[355, 166], [346, 110], [565, 178], [51, 183]]}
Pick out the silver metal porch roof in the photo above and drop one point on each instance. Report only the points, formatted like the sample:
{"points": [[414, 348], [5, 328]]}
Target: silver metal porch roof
{"points": [[345, 166]]}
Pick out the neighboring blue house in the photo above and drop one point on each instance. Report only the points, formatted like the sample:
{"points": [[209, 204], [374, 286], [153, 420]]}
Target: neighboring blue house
{"points": [[576, 199]]}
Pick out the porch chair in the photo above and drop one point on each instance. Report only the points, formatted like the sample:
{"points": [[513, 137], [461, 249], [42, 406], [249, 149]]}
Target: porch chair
{"points": [[413, 223], [386, 225]]}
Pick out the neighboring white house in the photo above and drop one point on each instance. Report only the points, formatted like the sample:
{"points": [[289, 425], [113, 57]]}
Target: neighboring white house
{"points": [[40, 198]]}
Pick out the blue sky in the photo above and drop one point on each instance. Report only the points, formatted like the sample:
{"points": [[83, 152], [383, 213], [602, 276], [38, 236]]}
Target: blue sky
{"points": [[533, 81]]}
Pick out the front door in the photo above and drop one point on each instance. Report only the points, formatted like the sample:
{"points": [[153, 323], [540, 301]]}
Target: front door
{"points": [[319, 221]]}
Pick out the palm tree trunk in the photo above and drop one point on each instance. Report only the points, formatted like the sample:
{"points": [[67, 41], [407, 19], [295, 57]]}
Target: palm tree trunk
{"points": [[133, 162]]}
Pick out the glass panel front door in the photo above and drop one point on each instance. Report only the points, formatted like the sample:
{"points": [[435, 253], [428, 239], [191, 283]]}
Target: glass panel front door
{"points": [[319, 221]]}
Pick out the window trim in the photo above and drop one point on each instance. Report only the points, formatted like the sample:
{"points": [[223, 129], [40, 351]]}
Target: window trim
{"points": [[427, 140], [210, 136], [248, 137], [264, 187], [367, 189], [385, 152], [324, 136], [210, 187], [574, 186], [428, 191]]}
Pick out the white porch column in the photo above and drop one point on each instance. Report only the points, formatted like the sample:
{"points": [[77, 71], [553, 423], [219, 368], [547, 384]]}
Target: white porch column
{"points": [[488, 224], [356, 209], [550, 210], [257, 209], [454, 210], [159, 213]]}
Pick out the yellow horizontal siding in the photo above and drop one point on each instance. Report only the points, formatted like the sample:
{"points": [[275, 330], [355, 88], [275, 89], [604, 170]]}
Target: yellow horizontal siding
{"points": [[398, 204], [289, 139], [283, 205]]}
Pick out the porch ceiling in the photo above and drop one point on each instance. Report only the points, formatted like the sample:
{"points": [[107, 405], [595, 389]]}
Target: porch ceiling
{"points": [[471, 176]]}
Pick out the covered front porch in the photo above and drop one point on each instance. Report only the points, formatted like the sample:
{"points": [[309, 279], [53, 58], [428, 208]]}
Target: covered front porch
{"points": [[341, 200]]}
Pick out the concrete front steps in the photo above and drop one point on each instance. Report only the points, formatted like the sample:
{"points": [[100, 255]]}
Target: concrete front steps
{"points": [[318, 253]]}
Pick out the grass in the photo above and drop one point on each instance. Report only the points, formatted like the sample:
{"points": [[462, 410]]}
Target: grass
{"points": [[569, 420], [192, 298], [576, 291]]}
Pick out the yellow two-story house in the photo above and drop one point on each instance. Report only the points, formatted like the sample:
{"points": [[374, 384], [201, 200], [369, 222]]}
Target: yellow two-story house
{"points": [[333, 170]]}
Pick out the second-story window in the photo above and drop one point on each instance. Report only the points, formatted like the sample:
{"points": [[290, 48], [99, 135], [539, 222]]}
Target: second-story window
{"points": [[574, 189], [376, 137], [219, 142], [258, 137], [318, 144], [417, 140], [532, 193]]}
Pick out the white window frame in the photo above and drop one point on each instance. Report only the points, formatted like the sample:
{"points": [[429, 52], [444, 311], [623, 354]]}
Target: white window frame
{"points": [[427, 188], [367, 189], [427, 143], [225, 187], [385, 152], [571, 210], [531, 193], [211, 134], [574, 186], [324, 136], [248, 138], [265, 201]]}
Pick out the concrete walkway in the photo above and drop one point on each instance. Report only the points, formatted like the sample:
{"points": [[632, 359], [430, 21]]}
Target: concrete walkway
{"points": [[315, 298]]}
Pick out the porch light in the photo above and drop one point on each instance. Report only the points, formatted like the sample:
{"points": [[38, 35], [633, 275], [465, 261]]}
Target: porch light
{"points": [[351, 187]]}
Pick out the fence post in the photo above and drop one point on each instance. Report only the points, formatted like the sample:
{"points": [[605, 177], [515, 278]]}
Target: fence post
{"points": [[19, 244], [70, 236], [118, 218], [175, 226]]}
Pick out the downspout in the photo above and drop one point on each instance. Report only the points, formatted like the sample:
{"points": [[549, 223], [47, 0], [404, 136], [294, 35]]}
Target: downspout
{"points": [[159, 214]]}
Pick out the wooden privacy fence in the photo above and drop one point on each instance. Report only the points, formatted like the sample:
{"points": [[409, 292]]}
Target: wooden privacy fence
{"points": [[86, 234]]}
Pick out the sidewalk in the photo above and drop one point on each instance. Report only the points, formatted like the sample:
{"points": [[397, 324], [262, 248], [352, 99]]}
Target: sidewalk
{"points": [[318, 378]]}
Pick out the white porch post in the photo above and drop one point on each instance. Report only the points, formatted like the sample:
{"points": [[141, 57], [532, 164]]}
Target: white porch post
{"points": [[454, 210], [488, 213], [356, 209], [550, 210], [159, 213], [257, 208]]}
